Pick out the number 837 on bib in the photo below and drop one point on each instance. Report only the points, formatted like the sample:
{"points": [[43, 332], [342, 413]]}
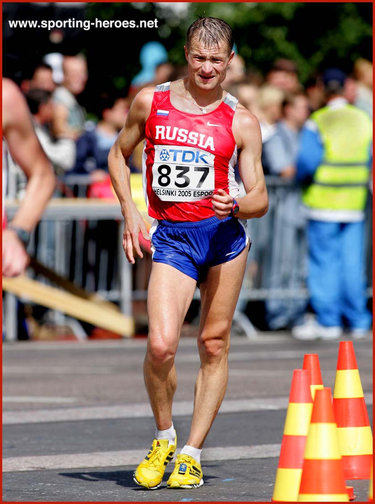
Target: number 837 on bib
{"points": [[182, 173]]}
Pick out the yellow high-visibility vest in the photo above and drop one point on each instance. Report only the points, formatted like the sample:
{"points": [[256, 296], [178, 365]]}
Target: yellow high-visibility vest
{"points": [[341, 180]]}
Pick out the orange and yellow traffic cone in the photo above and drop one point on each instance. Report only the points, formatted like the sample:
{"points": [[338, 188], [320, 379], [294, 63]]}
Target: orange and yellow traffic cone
{"points": [[289, 471], [323, 473], [355, 437], [311, 362]]}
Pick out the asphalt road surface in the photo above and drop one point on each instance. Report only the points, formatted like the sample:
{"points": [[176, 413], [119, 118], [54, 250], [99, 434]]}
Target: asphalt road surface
{"points": [[76, 419]]}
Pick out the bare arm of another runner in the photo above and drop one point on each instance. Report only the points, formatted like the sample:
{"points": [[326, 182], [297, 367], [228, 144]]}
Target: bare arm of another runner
{"points": [[129, 137], [26, 151], [246, 131]]}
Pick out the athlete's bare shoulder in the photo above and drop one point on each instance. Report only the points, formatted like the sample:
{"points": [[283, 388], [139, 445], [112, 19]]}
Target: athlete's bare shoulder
{"points": [[144, 96], [141, 105], [245, 125], [244, 118], [9, 87], [133, 131], [13, 102], [16, 113]]}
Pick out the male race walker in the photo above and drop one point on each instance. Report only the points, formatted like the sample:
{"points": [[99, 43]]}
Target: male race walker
{"points": [[194, 135]]}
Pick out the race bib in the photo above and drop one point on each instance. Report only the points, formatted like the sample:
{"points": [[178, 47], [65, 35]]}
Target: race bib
{"points": [[182, 173]]}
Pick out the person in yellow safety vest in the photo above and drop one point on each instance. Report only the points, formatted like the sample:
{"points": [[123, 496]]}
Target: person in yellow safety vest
{"points": [[333, 167]]}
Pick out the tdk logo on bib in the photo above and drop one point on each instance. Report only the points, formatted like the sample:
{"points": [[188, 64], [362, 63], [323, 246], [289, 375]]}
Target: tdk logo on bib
{"points": [[183, 173], [184, 156]]}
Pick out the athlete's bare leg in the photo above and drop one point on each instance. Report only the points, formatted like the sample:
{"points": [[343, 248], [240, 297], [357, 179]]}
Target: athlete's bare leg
{"points": [[219, 295], [169, 296]]}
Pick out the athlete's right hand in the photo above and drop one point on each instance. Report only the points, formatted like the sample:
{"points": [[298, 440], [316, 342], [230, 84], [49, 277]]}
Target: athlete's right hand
{"points": [[134, 224], [222, 204]]}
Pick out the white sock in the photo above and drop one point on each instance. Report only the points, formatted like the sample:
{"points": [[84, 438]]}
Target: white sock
{"points": [[193, 452], [169, 434]]}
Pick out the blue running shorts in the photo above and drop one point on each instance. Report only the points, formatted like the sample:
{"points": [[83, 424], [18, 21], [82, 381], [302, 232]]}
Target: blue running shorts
{"points": [[193, 247]]}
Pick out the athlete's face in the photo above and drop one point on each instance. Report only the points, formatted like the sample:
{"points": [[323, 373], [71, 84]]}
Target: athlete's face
{"points": [[207, 66]]}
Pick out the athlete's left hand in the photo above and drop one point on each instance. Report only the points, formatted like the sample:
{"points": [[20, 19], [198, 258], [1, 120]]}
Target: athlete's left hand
{"points": [[134, 226], [222, 203], [15, 258]]}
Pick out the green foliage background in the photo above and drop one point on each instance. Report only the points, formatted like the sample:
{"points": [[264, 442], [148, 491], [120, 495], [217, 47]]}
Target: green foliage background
{"points": [[315, 35], [312, 34]]}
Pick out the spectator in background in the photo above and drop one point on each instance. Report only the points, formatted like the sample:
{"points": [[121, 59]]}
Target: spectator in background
{"points": [[178, 72], [25, 148], [284, 75], [333, 165], [151, 55], [69, 117], [60, 151], [92, 152], [280, 151], [93, 146], [361, 86], [236, 71], [286, 268], [247, 93], [163, 73], [363, 72], [270, 99], [42, 78], [314, 90], [55, 61]]}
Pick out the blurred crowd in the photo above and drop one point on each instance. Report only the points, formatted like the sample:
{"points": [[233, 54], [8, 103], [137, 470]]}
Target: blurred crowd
{"points": [[78, 145]]}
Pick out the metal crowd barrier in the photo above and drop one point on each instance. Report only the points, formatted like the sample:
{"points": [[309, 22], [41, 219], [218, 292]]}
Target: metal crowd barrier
{"points": [[81, 239]]}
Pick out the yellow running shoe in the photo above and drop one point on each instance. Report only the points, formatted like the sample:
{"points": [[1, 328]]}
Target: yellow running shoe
{"points": [[187, 473], [150, 471]]}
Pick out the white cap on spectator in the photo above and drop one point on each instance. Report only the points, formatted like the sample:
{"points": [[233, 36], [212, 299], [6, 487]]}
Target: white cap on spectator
{"points": [[55, 60]]}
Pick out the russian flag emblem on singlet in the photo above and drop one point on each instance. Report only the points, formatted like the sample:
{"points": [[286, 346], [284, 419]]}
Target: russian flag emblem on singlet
{"points": [[163, 113]]}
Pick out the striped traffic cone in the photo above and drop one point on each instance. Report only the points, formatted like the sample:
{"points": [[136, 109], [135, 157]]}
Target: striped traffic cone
{"points": [[323, 473], [289, 471], [311, 361], [355, 437]]}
